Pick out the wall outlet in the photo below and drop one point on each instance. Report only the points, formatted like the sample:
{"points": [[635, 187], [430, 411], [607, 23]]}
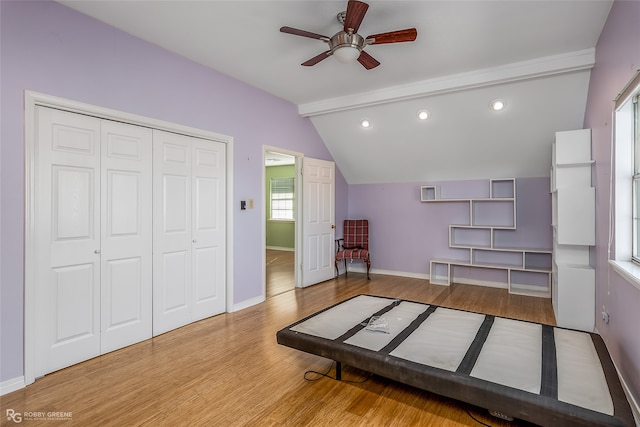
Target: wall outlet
{"points": [[250, 203], [605, 315]]}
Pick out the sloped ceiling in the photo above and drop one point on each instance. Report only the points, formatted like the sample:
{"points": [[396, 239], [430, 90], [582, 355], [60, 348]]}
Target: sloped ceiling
{"points": [[535, 55]]}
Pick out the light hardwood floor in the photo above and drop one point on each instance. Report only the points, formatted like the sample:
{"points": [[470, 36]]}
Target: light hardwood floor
{"points": [[228, 370], [280, 277]]}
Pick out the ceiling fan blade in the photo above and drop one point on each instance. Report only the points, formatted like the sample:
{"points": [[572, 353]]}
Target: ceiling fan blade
{"points": [[303, 33], [317, 58], [367, 60], [355, 14], [407, 35]]}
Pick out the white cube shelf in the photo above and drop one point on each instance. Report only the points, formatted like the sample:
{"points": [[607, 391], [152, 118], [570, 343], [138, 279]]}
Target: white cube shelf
{"points": [[469, 237], [428, 193], [495, 213], [531, 283], [502, 189]]}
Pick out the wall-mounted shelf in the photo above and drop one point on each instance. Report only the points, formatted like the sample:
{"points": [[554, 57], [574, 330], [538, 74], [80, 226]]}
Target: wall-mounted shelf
{"points": [[528, 271], [428, 193], [498, 189]]}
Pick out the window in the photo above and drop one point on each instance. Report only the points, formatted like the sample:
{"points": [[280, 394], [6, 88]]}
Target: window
{"points": [[282, 198], [626, 223], [635, 256]]}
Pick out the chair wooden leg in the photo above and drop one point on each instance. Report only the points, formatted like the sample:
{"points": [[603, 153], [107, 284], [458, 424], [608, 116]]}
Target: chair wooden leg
{"points": [[345, 267], [368, 261]]}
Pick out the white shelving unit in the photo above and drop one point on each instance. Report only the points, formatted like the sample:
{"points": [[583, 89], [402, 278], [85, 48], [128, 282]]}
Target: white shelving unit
{"points": [[528, 271], [573, 223]]}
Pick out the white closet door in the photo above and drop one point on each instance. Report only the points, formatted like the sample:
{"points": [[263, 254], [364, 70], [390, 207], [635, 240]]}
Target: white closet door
{"points": [[171, 231], [209, 231], [189, 230], [126, 267], [68, 239]]}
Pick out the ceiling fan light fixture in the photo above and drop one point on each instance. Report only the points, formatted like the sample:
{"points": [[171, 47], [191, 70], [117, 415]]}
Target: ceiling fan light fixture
{"points": [[346, 47], [497, 105], [346, 53]]}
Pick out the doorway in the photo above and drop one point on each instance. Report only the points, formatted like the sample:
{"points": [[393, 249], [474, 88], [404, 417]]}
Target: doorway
{"points": [[281, 210], [313, 220]]}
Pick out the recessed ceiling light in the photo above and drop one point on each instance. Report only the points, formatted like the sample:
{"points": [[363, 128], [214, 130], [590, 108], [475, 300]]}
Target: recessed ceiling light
{"points": [[497, 105], [423, 114], [365, 123]]}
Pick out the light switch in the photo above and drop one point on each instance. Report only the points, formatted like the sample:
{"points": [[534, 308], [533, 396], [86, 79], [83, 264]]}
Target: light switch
{"points": [[250, 204]]}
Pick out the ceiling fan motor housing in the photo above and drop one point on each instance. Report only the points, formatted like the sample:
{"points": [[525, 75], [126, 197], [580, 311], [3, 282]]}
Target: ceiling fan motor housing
{"points": [[344, 39]]}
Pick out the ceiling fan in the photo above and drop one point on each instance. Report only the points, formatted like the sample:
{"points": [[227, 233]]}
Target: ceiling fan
{"points": [[347, 45]]}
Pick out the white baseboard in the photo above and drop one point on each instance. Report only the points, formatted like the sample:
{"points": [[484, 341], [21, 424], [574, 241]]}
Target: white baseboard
{"points": [[248, 303], [398, 273], [11, 385], [361, 269], [281, 248]]}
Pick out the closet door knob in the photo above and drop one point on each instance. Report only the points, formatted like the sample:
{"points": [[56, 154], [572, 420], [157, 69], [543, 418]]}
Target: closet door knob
{"points": [[97, 251], [195, 240]]}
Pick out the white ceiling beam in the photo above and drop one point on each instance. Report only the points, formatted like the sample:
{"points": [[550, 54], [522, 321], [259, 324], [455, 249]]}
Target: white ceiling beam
{"points": [[535, 68]]}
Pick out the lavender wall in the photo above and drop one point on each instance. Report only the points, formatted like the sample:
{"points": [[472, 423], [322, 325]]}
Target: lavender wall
{"points": [[617, 58], [49, 48], [405, 233]]}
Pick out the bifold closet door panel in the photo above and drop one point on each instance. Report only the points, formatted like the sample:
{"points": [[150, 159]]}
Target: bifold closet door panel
{"points": [[209, 231], [67, 233], [126, 267], [189, 246], [172, 241], [93, 231]]}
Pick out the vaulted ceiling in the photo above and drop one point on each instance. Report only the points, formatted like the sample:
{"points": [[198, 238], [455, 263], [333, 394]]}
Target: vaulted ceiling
{"points": [[535, 55]]}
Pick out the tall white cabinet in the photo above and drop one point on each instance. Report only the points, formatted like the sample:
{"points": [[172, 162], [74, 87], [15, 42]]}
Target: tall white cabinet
{"points": [[573, 223]]}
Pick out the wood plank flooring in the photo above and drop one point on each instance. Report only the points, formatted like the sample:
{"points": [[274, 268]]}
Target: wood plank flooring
{"points": [[280, 274], [228, 370]]}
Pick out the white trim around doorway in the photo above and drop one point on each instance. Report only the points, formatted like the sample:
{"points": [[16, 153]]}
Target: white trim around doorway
{"points": [[298, 216]]}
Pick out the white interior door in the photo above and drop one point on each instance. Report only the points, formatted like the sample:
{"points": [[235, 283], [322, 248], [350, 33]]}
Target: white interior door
{"points": [[68, 239], [171, 231], [318, 220], [126, 263], [208, 228]]}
